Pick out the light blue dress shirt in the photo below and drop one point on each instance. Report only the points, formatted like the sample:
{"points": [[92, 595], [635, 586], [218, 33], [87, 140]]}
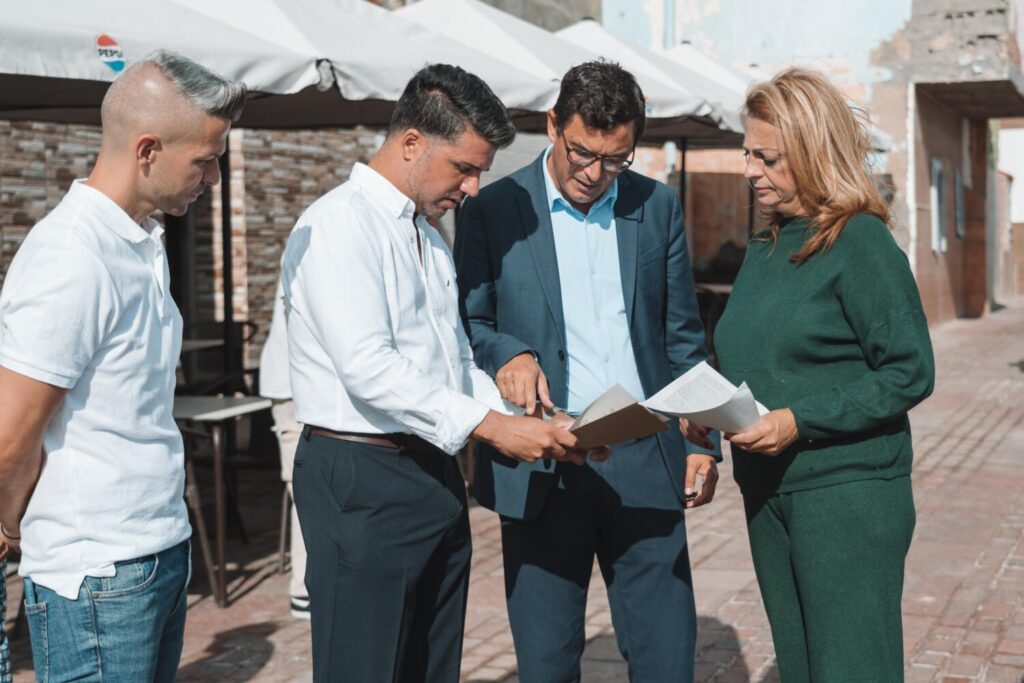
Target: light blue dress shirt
{"points": [[599, 348]]}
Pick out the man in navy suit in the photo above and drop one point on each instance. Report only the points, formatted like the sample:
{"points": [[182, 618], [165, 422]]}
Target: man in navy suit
{"points": [[574, 276]]}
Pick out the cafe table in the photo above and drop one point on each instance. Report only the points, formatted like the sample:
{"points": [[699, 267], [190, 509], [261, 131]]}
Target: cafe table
{"points": [[192, 345], [214, 412]]}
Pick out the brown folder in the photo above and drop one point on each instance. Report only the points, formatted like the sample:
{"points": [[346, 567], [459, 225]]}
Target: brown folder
{"points": [[616, 417]]}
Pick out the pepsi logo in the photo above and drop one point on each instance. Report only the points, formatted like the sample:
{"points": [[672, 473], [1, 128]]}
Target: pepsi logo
{"points": [[110, 53]]}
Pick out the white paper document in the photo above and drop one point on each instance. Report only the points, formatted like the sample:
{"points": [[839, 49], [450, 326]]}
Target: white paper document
{"points": [[616, 416], [701, 395], [705, 397]]}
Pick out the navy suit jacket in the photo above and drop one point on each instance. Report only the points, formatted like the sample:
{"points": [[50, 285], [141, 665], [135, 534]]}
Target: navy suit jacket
{"points": [[511, 302]]}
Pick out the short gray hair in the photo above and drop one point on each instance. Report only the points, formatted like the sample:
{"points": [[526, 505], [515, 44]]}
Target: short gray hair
{"points": [[211, 94]]}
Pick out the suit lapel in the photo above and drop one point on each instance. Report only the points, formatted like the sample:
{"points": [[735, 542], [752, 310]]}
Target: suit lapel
{"points": [[627, 230], [536, 213]]}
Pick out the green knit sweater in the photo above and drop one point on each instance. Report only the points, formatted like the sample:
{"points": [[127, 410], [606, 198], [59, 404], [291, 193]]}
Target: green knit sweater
{"points": [[842, 341]]}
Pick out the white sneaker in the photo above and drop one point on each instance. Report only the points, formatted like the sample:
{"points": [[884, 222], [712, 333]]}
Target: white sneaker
{"points": [[300, 607]]}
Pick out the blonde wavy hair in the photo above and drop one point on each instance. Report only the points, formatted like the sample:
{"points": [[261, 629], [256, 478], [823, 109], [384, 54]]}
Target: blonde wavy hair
{"points": [[826, 145]]}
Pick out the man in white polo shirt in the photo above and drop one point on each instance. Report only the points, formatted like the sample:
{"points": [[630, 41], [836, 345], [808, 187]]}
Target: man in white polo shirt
{"points": [[89, 340]]}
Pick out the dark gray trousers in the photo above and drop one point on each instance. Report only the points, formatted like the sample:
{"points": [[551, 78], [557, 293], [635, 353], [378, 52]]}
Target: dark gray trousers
{"points": [[387, 532], [627, 513]]}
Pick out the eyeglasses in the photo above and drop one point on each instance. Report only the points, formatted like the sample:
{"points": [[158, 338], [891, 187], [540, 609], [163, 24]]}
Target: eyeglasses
{"points": [[582, 159]]}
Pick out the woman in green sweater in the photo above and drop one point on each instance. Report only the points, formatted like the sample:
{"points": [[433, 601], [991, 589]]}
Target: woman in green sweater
{"points": [[825, 325]]}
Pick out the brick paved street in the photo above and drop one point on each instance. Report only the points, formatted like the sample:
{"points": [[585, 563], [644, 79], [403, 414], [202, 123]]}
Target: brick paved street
{"points": [[964, 598]]}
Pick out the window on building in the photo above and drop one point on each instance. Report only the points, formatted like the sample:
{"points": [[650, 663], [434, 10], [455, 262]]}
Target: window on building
{"points": [[938, 206], [958, 203], [966, 151]]}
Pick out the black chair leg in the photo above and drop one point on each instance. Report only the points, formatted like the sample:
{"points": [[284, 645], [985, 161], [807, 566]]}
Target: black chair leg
{"points": [[282, 539], [234, 513], [195, 504]]}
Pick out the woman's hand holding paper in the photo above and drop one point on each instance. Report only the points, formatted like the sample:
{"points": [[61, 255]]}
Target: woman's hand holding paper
{"points": [[770, 435]]}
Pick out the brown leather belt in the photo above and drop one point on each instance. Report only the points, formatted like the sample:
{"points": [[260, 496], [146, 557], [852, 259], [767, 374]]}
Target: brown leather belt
{"points": [[397, 441]]}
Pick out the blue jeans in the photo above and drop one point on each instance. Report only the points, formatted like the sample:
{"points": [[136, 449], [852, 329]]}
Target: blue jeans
{"points": [[128, 627]]}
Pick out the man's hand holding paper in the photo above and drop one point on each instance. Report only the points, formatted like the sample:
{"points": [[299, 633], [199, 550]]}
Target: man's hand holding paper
{"points": [[701, 398], [522, 383]]}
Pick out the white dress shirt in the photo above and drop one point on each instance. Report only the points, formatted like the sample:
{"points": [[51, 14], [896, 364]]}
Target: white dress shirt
{"points": [[376, 344], [274, 381], [86, 307]]}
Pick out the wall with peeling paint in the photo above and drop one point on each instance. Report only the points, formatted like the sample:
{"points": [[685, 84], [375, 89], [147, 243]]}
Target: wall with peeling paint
{"points": [[1011, 161], [771, 34], [1017, 20], [876, 51], [638, 22]]}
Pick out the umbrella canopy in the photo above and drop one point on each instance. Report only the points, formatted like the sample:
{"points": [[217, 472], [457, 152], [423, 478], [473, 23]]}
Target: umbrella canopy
{"points": [[372, 54], [476, 25], [723, 97], [725, 86], [59, 56]]}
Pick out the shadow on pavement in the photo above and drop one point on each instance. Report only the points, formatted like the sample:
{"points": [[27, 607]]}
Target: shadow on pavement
{"points": [[718, 658], [235, 655]]}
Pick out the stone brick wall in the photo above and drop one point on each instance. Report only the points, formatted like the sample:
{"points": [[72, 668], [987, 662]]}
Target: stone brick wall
{"points": [[963, 40], [275, 175], [279, 174], [38, 162]]}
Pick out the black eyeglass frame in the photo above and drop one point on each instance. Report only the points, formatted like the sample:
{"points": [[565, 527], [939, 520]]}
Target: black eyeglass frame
{"points": [[619, 164]]}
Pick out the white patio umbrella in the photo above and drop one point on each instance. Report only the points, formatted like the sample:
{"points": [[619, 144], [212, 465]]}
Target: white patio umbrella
{"points": [[721, 92], [476, 25], [372, 53], [57, 59], [59, 56], [726, 86]]}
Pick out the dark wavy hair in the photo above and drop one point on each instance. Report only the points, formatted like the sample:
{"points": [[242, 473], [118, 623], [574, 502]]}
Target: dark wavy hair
{"points": [[441, 100], [604, 95]]}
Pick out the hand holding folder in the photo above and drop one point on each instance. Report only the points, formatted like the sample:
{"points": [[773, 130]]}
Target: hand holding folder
{"points": [[701, 395]]}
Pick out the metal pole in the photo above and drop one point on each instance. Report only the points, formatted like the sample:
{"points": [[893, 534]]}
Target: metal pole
{"points": [[190, 297], [682, 174], [669, 32], [231, 354]]}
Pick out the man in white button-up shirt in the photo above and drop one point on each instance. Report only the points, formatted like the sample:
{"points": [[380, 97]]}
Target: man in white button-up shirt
{"points": [[383, 378], [89, 339]]}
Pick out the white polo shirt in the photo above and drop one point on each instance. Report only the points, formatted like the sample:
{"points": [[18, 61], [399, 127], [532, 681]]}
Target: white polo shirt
{"points": [[86, 306], [375, 341]]}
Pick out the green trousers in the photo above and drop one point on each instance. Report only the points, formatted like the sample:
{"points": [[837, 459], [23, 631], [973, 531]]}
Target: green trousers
{"points": [[829, 562]]}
